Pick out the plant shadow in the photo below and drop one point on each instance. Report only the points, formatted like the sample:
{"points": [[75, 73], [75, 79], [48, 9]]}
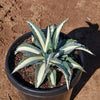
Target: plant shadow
{"points": [[90, 37]]}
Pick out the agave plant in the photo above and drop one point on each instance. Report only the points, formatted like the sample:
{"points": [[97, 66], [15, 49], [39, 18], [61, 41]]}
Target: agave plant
{"points": [[48, 52]]}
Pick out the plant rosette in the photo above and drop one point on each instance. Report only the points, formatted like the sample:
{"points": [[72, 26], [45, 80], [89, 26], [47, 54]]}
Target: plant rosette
{"points": [[48, 52]]}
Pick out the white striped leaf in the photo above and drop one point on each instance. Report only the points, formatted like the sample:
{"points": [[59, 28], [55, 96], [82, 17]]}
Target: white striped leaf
{"points": [[63, 69], [48, 40], [29, 60], [40, 74], [80, 47], [28, 49], [84, 49], [52, 28], [36, 72], [38, 33], [70, 45], [68, 69], [67, 48], [57, 32], [52, 77], [74, 64]]}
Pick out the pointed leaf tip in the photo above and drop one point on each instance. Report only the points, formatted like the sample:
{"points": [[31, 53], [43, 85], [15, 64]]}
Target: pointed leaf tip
{"points": [[85, 49], [39, 35], [57, 32]]}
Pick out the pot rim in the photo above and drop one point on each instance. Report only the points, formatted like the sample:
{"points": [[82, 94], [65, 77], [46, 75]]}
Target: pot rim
{"points": [[37, 92]]}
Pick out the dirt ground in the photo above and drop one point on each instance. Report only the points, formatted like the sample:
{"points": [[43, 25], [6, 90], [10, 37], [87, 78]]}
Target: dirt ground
{"points": [[83, 25]]}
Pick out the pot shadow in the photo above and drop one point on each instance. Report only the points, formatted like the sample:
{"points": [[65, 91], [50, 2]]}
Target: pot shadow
{"points": [[90, 37]]}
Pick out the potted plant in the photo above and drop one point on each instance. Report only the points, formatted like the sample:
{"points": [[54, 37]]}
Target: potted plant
{"points": [[49, 52]]}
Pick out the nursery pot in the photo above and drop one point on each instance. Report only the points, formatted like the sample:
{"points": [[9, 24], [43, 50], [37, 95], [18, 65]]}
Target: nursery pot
{"points": [[28, 92]]}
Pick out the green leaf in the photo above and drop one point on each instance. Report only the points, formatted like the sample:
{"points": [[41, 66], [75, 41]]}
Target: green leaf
{"points": [[71, 41], [57, 32], [63, 69], [52, 28], [40, 74], [74, 64], [84, 49], [28, 49], [68, 69], [48, 40], [36, 72], [67, 48], [29, 60], [38, 33], [52, 77]]}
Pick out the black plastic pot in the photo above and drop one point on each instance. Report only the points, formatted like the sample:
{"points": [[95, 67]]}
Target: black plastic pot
{"points": [[30, 93]]}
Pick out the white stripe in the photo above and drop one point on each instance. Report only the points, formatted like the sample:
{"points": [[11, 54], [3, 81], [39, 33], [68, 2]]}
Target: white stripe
{"points": [[25, 62], [40, 74], [75, 65], [47, 40], [52, 78], [54, 61], [39, 36], [69, 48], [84, 50], [58, 30], [28, 49]]}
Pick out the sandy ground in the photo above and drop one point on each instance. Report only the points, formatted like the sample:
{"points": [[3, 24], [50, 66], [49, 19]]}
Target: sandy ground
{"points": [[83, 24]]}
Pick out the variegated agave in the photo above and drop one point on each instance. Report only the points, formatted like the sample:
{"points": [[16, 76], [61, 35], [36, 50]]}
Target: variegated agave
{"points": [[48, 53]]}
